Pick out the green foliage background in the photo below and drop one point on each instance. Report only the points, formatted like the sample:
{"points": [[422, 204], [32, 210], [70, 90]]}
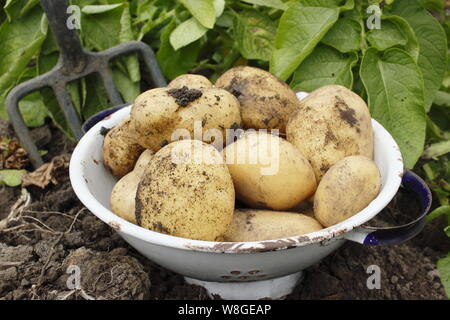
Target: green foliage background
{"points": [[400, 69]]}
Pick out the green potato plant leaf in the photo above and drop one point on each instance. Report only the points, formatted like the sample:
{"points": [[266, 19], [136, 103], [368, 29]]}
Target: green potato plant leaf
{"points": [[442, 210], [433, 45], [433, 5], [127, 34], [175, 62], [443, 266], [127, 88], [324, 66], [103, 26], [395, 32], [345, 35], [11, 177], [187, 32], [20, 41], [442, 98], [203, 10], [219, 7], [437, 149], [100, 8], [394, 86], [412, 45], [74, 88], [15, 9], [33, 110], [254, 33], [96, 97], [299, 31], [55, 112], [225, 20], [29, 4], [388, 36], [347, 5], [277, 4], [191, 30]]}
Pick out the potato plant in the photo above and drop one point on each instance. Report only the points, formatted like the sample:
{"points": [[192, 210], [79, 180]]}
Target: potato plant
{"points": [[393, 53]]}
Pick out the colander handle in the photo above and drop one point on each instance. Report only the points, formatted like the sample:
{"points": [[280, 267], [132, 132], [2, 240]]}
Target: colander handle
{"points": [[393, 235]]}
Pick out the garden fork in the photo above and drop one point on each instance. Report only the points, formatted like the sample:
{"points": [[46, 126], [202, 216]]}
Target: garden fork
{"points": [[74, 63]]}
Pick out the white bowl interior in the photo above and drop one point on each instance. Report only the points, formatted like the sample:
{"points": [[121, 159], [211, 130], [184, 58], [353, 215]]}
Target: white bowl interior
{"points": [[93, 184]]}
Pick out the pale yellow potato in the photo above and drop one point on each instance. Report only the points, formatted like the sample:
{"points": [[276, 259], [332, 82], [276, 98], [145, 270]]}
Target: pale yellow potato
{"points": [[143, 161], [268, 171], [159, 116], [195, 81], [123, 195], [120, 149], [347, 188], [331, 123], [266, 101], [184, 197], [258, 225]]}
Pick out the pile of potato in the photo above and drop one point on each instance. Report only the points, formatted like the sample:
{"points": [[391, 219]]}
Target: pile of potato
{"points": [[253, 184]]}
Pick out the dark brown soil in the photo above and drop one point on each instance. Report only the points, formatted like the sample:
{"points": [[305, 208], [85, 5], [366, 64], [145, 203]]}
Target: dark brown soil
{"points": [[35, 259], [184, 95]]}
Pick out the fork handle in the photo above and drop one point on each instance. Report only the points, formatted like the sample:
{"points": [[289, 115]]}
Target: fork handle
{"points": [[64, 24]]}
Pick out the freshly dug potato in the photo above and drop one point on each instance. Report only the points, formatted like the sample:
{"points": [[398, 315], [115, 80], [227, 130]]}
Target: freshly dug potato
{"points": [[193, 81], [266, 101], [157, 113], [120, 150], [143, 161], [124, 192], [184, 197], [268, 171], [347, 188], [331, 123], [258, 225], [123, 196]]}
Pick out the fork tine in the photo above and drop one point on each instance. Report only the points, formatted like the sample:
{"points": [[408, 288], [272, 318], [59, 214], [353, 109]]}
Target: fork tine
{"points": [[65, 101], [21, 129], [113, 94]]}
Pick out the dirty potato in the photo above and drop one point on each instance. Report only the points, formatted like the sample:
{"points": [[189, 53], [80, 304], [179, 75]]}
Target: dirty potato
{"points": [[331, 123], [120, 149], [258, 225], [186, 192], [160, 116], [266, 101], [347, 188], [193, 81], [268, 171], [143, 161], [123, 195]]}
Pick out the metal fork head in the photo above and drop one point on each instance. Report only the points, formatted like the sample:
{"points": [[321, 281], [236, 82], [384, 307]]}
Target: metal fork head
{"points": [[74, 63]]}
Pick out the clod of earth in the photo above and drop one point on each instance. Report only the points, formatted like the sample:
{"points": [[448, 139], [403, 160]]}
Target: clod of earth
{"points": [[184, 95]]}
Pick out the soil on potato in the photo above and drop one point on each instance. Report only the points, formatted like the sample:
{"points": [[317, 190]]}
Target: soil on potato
{"points": [[59, 237]]}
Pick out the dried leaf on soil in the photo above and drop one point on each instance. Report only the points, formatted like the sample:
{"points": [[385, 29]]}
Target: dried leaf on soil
{"points": [[12, 155], [53, 171]]}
